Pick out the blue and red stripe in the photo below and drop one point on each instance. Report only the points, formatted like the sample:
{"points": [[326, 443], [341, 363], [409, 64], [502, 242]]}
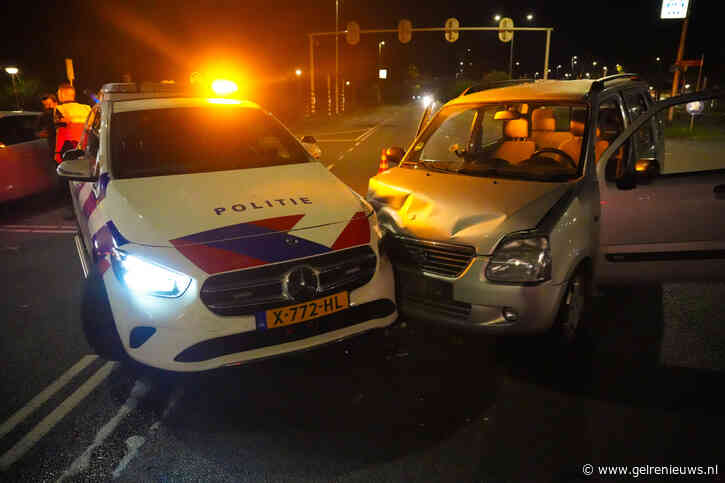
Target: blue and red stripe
{"points": [[260, 242]]}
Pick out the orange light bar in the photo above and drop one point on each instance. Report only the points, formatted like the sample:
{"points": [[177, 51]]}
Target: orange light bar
{"points": [[224, 87], [223, 101]]}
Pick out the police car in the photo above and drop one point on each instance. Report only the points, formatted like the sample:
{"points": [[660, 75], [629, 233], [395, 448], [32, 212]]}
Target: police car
{"points": [[213, 235]]}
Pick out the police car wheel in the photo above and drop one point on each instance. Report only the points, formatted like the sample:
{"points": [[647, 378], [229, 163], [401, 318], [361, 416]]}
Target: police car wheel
{"points": [[98, 324]]}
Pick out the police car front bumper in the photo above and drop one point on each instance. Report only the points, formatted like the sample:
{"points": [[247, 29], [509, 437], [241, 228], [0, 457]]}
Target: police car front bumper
{"points": [[184, 335]]}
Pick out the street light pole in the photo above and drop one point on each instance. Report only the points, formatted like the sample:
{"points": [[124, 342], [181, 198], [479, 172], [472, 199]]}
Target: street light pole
{"points": [[13, 71], [337, 57]]}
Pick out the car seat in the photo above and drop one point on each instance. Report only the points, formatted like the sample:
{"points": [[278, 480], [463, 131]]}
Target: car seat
{"points": [[543, 129], [518, 148]]}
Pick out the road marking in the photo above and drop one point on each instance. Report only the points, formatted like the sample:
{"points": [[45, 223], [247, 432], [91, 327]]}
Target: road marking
{"points": [[368, 132], [340, 132], [37, 230], [39, 227], [331, 166], [81, 255], [44, 426], [140, 390], [335, 140], [132, 444], [45, 394]]}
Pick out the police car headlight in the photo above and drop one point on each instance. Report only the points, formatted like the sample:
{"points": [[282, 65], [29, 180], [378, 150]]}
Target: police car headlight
{"points": [[520, 260], [145, 277]]}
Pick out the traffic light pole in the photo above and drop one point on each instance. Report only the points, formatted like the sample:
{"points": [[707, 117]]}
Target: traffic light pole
{"points": [[312, 36]]}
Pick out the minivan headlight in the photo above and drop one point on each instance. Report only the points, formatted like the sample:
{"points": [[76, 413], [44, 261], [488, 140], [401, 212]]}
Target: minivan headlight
{"points": [[520, 260], [146, 277]]}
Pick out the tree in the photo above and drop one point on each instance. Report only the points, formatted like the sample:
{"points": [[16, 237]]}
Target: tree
{"points": [[28, 92], [495, 76]]}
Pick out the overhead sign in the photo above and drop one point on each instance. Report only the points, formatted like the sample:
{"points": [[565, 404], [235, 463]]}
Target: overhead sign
{"points": [[675, 9], [382, 73], [451, 26], [690, 63], [694, 108], [504, 32], [352, 34], [405, 31]]}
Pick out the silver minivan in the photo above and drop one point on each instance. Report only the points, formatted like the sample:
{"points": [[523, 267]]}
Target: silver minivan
{"points": [[512, 204]]}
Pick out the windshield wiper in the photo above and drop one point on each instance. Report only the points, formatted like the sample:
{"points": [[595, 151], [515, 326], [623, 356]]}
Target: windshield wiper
{"points": [[431, 165]]}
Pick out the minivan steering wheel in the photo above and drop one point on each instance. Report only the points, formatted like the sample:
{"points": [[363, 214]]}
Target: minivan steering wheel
{"points": [[555, 151]]}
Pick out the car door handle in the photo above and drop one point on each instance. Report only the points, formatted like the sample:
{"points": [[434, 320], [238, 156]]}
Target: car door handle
{"points": [[719, 191]]}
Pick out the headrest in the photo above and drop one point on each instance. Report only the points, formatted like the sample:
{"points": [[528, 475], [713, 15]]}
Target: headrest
{"points": [[576, 128], [543, 120], [517, 128]]}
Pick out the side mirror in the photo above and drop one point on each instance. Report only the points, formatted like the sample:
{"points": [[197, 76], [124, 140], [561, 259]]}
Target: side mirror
{"points": [[645, 170], [310, 144], [393, 155], [75, 169], [73, 154]]}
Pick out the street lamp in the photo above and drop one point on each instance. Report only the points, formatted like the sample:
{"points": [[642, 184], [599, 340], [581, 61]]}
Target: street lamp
{"points": [[594, 64], [298, 72], [13, 71], [380, 51], [658, 59], [497, 17], [530, 17]]}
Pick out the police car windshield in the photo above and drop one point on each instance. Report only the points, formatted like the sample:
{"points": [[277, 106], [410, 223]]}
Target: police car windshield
{"points": [[198, 139]]}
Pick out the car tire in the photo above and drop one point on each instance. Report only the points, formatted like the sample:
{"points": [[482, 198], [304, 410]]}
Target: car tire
{"points": [[572, 321], [97, 317]]}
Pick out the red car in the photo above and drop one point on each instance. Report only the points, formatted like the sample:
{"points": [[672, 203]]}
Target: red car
{"points": [[25, 164]]}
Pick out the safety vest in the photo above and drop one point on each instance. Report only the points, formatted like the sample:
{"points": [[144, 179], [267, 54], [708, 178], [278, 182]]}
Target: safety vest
{"points": [[67, 137], [74, 112]]}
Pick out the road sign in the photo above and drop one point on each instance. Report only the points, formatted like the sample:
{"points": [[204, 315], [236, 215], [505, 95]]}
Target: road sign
{"points": [[675, 9], [405, 31], [353, 33], [504, 34], [69, 70], [690, 63], [694, 108], [451, 26]]}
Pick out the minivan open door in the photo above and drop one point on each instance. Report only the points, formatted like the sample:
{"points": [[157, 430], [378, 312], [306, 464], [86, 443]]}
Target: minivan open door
{"points": [[662, 219]]}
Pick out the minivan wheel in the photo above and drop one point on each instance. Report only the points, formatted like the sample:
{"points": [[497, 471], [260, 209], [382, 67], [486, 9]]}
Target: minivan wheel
{"points": [[572, 320], [98, 324]]}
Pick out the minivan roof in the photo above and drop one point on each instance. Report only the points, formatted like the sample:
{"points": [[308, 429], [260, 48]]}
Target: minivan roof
{"points": [[545, 90]]}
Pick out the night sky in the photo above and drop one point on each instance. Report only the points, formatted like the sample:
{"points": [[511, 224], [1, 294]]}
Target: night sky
{"points": [[266, 41]]}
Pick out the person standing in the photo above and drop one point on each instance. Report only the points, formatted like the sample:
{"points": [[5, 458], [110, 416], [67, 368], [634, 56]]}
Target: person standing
{"points": [[45, 125], [70, 122]]}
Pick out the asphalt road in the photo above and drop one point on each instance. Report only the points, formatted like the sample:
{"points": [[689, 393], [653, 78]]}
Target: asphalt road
{"points": [[420, 404]]}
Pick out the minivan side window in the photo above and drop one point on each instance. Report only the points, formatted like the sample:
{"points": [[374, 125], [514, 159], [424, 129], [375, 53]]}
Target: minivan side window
{"points": [[644, 139], [609, 127]]}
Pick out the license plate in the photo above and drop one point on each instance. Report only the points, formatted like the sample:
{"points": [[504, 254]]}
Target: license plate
{"points": [[313, 309]]}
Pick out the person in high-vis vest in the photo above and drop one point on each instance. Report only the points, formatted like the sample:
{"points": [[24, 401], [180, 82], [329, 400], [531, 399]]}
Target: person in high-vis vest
{"points": [[71, 117]]}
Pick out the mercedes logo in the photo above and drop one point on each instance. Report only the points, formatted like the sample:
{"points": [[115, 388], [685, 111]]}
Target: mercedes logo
{"points": [[300, 283]]}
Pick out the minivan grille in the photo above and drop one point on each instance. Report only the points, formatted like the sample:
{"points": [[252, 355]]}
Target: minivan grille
{"points": [[446, 259], [247, 291]]}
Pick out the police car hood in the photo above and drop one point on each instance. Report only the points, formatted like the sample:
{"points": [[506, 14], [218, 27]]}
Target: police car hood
{"points": [[204, 208], [474, 211]]}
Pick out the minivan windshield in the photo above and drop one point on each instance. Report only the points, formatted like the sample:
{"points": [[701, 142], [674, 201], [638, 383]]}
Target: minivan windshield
{"points": [[198, 139], [534, 141]]}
